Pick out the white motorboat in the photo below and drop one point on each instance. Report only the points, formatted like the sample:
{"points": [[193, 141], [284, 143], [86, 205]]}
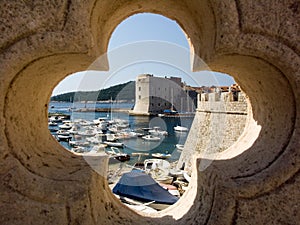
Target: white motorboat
{"points": [[158, 169], [79, 143], [115, 153], [179, 147], [63, 132], [87, 133], [114, 144], [100, 120], [97, 139], [181, 129], [52, 124], [161, 155], [151, 138], [157, 131], [66, 126], [63, 138]]}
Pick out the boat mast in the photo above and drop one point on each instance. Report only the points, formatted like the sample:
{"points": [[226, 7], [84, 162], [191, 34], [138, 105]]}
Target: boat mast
{"points": [[111, 117], [172, 108]]}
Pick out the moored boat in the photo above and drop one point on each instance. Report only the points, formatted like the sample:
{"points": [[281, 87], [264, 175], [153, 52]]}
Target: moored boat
{"points": [[179, 147], [151, 138], [181, 129], [161, 155], [114, 144], [142, 187]]}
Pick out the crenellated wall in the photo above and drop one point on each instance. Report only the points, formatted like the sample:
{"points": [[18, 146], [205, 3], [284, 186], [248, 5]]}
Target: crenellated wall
{"points": [[254, 181]]}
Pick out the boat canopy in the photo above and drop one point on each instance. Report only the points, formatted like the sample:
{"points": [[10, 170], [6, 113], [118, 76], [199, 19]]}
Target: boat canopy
{"points": [[142, 187], [169, 111]]}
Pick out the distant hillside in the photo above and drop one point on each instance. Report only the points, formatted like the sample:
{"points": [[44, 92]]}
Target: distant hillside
{"points": [[124, 91]]}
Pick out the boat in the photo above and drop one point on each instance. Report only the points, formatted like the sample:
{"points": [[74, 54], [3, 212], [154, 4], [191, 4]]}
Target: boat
{"points": [[56, 119], [170, 188], [179, 147], [65, 126], [122, 157], [63, 132], [159, 170], [137, 206], [187, 177], [151, 138], [158, 132], [142, 187], [115, 153], [52, 124], [164, 179], [139, 166], [170, 112], [100, 120], [79, 143], [53, 130], [114, 144], [139, 153], [87, 133], [99, 148], [63, 138], [181, 129], [161, 155], [78, 150], [155, 164]]}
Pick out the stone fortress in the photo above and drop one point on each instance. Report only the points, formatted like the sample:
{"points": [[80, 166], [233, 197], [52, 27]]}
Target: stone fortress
{"points": [[219, 121], [156, 94], [255, 181]]}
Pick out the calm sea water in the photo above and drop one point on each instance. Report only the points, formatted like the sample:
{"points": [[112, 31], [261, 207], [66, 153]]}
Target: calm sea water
{"points": [[166, 145]]}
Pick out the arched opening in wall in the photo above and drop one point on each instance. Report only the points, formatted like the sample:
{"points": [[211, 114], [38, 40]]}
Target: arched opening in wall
{"points": [[149, 113]]}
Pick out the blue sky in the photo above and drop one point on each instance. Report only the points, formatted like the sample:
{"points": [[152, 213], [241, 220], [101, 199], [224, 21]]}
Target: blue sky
{"points": [[146, 26], [143, 43]]}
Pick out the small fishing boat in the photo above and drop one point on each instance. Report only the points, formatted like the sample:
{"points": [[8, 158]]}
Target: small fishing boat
{"points": [[63, 138], [52, 124], [161, 155], [139, 153], [65, 126], [151, 138], [158, 132], [179, 147], [122, 157], [53, 130], [159, 170], [114, 144], [63, 132], [79, 143], [181, 129], [115, 153]]}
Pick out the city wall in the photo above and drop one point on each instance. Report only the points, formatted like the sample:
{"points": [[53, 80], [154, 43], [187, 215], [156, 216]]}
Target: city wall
{"points": [[219, 121]]}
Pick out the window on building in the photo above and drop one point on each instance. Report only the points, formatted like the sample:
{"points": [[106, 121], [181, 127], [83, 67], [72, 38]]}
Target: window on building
{"points": [[140, 97], [139, 88]]}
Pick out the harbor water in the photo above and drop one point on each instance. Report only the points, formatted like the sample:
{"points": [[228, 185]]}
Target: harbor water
{"points": [[166, 145]]}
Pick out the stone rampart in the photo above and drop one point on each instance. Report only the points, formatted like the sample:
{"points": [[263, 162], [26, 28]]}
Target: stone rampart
{"points": [[220, 120]]}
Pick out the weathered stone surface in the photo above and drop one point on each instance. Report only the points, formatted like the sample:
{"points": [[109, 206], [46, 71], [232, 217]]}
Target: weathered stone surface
{"points": [[257, 42]]}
